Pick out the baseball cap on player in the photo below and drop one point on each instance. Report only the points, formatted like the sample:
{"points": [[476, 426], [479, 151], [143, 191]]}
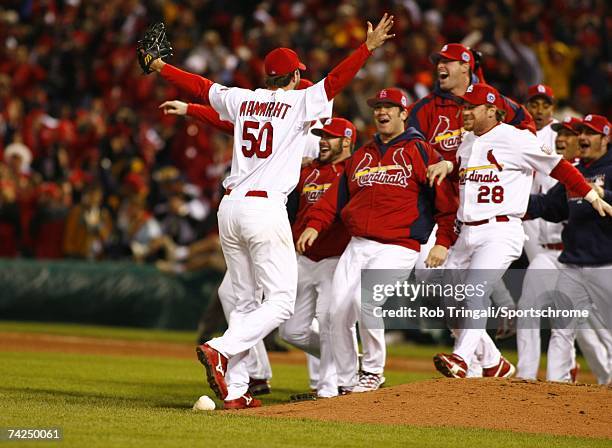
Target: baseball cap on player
{"points": [[569, 123], [540, 90], [454, 52], [477, 94], [391, 95], [337, 127], [304, 84], [598, 123], [282, 61]]}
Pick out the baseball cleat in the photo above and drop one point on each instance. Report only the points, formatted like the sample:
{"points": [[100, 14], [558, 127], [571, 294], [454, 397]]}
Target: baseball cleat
{"points": [[504, 369], [343, 390], [216, 366], [246, 401], [368, 382], [452, 366], [259, 386]]}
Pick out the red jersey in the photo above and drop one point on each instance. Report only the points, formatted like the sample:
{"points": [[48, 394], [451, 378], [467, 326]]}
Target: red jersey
{"points": [[315, 179], [439, 117], [383, 195]]}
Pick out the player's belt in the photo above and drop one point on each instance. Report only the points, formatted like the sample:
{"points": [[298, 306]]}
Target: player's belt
{"points": [[553, 246], [500, 218], [251, 193]]}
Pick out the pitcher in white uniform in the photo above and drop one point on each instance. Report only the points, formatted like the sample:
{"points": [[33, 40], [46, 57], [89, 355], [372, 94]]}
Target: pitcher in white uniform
{"points": [[270, 130]]}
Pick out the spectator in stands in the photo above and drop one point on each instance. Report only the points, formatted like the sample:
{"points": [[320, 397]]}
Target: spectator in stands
{"points": [[88, 226], [48, 223]]}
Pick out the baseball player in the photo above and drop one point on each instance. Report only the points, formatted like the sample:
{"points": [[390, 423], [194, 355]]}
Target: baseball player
{"points": [[295, 332], [541, 234], [270, 128], [257, 361], [495, 164], [317, 264], [541, 278], [585, 282], [388, 210], [314, 274], [438, 116]]}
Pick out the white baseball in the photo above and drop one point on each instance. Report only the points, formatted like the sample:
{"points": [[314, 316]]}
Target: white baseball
{"points": [[204, 403]]}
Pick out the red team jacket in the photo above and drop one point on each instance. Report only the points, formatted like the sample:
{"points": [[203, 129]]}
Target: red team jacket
{"points": [[315, 179], [383, 195], [438, 116]]}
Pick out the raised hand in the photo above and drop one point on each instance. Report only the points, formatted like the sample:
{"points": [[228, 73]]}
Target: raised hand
{"points": [[378, 36]]}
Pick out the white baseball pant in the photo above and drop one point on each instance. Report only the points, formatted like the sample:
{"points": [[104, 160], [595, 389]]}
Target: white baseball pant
{"points": [[257, 361], [345, 309], [538, 286], [258, 248], [313, 300], [481, 255], [581, 288]]}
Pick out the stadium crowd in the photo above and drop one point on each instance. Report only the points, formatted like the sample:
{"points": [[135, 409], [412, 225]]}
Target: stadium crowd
{"points": [[90, 168]]}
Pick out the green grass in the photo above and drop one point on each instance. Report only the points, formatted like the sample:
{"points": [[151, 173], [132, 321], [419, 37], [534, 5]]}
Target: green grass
{"points": [[407, 350], [99, 331], [109, 401]]}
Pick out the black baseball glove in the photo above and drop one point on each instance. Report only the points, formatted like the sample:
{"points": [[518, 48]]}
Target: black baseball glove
{"points": [[153, 45]]}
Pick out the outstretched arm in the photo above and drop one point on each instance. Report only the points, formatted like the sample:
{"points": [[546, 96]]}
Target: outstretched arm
{"points": [[195, 85], [203, 113]]}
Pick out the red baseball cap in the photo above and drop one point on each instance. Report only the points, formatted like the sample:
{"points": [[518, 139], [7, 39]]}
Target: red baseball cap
{"points": [[337, 127], [391, 95], [541, 90], [569, 123], [282, 61], [598, 123], [304, 84], [454, 52], [478, 94]]}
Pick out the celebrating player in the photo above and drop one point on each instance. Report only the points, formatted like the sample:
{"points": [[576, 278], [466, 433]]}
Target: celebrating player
{"points": [[317, 264], [495, 164], [271, 126], [384, 202], [585, 282]]}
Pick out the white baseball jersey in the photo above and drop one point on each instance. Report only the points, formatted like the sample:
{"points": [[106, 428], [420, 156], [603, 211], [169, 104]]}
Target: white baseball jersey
{"points": [[545, 232], [496, 172], [311, 150], [271, 128]]}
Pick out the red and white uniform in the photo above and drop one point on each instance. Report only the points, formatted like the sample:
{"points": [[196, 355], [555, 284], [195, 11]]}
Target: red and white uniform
{"points": [[543, 249], [543, 235], [495, 178], [378, 198], [315, 272], [270, 131]]}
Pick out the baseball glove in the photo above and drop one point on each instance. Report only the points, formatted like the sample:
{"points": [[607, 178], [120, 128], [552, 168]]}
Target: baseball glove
{"points": [[153, 45]]}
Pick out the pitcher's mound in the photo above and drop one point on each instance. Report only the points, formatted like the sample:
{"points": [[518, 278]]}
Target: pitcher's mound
{"points": [[515, 405]]}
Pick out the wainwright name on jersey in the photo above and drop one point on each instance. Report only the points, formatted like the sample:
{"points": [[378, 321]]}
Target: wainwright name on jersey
{"points": [[268, 122], [496, 172]]}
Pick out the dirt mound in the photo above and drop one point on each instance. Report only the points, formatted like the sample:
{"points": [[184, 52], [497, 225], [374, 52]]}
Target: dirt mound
{"points": [[515, 405]]}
